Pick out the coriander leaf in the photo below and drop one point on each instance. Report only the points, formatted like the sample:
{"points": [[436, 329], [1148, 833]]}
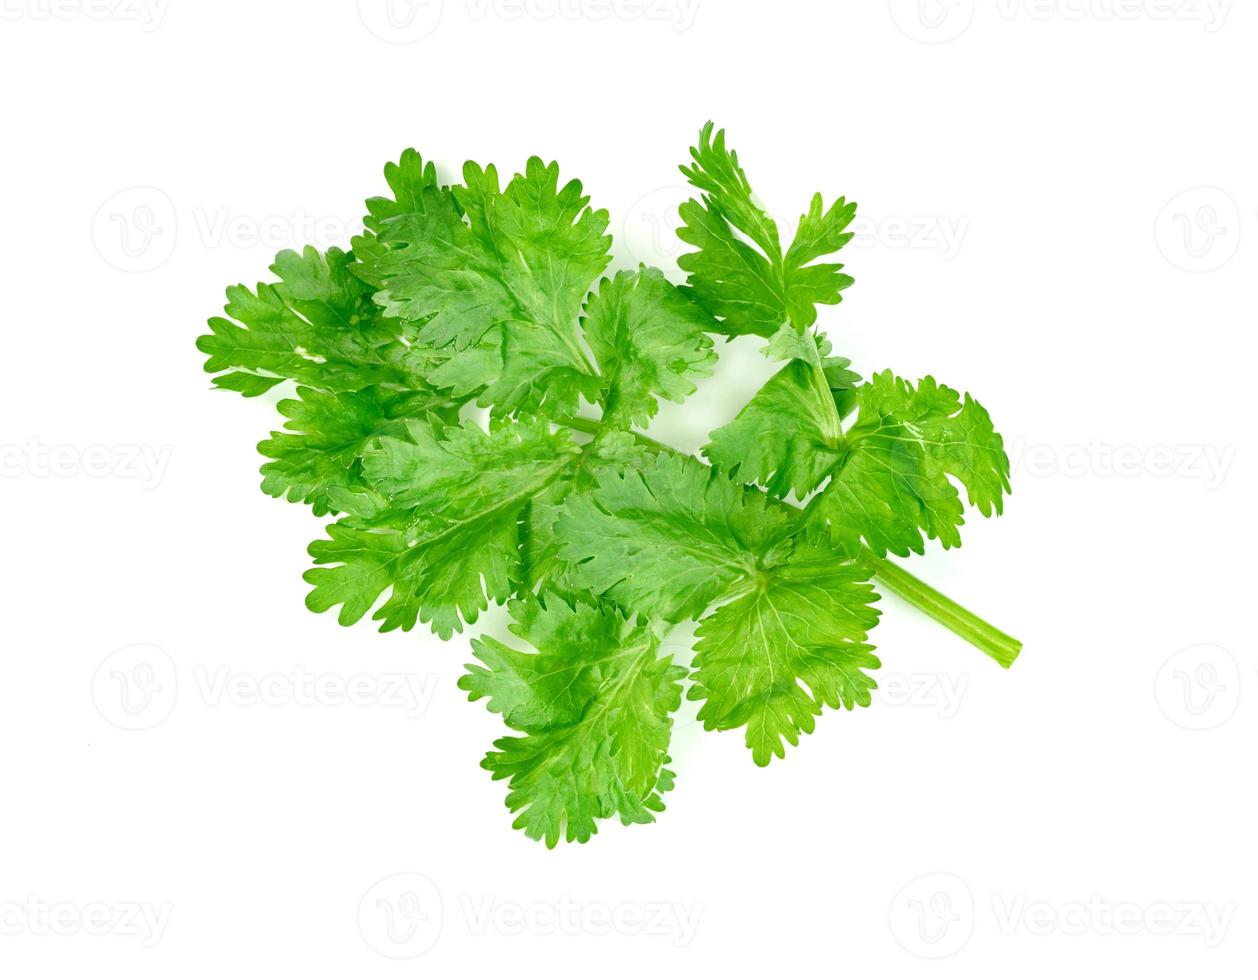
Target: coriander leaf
{"points": [[495, 278], [668, 538], [788, 645], [674, 538], [594, 705], [807, 283], [893, 481], [326, 432], [787, 438], [542, 567], [443, 536], [738, 271], [316, 325], [649, 339]]}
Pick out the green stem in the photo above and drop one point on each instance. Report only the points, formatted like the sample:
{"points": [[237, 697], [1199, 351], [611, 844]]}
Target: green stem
{"points": [[832, 425], [999, 646], [594, 427]]}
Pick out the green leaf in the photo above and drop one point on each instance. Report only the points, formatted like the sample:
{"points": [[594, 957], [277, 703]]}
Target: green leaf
{"points": [[675, 538], [326, 434], [650, 339], [447, 542], [316, 325], [737, 271], [542, 567], [893, 482], [669, 538], [787, 438], [594, 705], [495, 278], [790, 644]]}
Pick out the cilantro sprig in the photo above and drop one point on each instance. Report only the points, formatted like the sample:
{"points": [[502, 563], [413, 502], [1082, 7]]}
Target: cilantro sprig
{"points": [[597, 538]]}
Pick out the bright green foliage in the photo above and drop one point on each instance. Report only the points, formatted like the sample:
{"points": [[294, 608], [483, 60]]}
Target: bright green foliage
{"points": [[674, 538], [317, 326], [669, 538], [650, 340], [787, 645], [449, 537], [894, 481], [789, 436], [492, 295], [888, 473], [738, 270], [496, 277], [327, 434], [594, 705]]}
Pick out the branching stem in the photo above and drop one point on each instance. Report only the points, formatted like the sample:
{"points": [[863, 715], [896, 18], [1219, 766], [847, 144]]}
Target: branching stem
{"points": [[978, 632]]}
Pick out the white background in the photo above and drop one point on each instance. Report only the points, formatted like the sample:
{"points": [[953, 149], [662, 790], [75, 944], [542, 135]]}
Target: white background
{"points": [[1059, 215]]}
